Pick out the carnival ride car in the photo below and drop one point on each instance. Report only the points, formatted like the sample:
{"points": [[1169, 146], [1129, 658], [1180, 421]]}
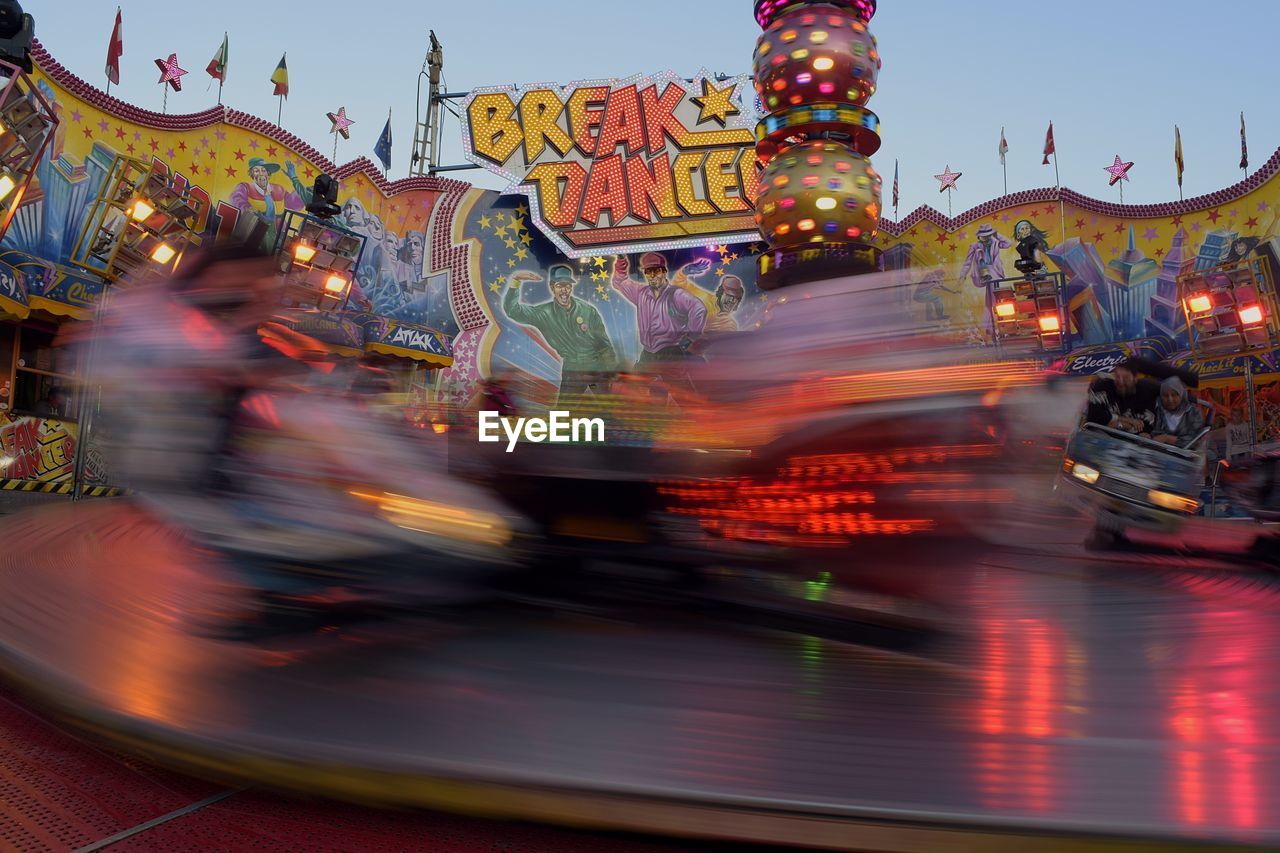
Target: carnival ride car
{"points": [[1127, 480]]}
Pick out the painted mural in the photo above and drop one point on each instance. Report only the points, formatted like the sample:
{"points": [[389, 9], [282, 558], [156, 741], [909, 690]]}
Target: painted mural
{"points": [[564, 326], [1121, 264], [244, 171], [473, 264]]}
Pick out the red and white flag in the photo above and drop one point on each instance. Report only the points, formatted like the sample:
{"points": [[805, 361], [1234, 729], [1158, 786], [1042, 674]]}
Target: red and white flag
{"points": [[217, 68], [1048, 145], [1004, 147], [114, 51]]}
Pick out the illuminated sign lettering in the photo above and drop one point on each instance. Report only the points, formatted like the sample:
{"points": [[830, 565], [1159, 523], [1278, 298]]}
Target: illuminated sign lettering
{"points": [[623, 166]]}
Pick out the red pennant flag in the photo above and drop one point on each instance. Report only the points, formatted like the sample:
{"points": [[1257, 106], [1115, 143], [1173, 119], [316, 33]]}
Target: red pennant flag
{"points": [[114, 51], [1048, 145]]}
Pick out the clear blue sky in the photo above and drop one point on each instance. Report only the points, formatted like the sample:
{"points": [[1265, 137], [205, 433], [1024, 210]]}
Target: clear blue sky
{"points": [[1113, 75]]}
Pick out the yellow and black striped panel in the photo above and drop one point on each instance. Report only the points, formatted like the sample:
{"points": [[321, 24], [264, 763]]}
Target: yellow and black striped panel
{"points": [[59, 488]]}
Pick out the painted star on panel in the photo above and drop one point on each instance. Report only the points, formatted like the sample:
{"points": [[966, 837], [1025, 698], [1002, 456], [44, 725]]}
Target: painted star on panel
{"points": [[716, 104], [341, 124], [170, 72], [1119, 171], [948, 179]]}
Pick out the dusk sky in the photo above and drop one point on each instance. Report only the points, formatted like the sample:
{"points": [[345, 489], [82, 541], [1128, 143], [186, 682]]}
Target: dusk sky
{"points": [[1113, 76]]}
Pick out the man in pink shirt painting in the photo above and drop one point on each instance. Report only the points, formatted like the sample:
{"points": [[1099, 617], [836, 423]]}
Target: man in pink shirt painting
{"points": [[668, 318]]}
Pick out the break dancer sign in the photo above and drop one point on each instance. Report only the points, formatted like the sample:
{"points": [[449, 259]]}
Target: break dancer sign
{"points": [[617, 167]]}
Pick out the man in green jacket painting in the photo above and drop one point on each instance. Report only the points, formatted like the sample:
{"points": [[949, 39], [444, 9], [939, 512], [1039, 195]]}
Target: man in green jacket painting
{"points": [[571, 327]]}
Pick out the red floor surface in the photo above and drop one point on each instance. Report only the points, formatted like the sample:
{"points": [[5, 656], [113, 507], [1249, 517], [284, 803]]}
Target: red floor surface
{"points": [[60, 793]]}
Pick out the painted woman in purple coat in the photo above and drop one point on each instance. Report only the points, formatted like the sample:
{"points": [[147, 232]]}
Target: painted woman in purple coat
{"points": [[983, 264]]}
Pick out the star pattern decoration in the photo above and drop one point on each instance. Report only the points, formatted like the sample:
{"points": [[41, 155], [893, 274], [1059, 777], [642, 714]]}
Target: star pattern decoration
{"points": [[170, 72], [1119, 171], [948, 179], [1149, 234], [77, 116], [1214, 216], [231, 172], [1177, 220], [102, 126], [120, 132], [716, 104], [1251, 222], [1098, 237], [1159, 253], [341, 124]]}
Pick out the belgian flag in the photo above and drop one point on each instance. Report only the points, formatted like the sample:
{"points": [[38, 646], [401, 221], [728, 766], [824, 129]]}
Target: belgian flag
{"points": [[281, 78]]}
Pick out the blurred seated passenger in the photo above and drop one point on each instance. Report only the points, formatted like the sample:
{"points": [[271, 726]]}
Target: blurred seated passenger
{"points": [[1178, 419], [1123, 400]]}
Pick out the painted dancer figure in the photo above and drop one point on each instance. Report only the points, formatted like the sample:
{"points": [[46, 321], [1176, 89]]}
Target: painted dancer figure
{"points": [[263, 198], [984, 265], [571, 327], [668, 318]]}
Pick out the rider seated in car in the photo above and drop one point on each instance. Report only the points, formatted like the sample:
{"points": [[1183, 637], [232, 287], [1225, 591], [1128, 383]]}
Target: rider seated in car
{"points": [[1177, 419], [1123, 400]]}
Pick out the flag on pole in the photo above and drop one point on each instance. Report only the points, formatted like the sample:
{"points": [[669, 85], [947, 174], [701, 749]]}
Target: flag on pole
{"points": [[1177, 153], [281, 78], [895, 187], [1004, 147], [218, 65], [114, 51], [1244, 147], [1048, 145], [383, 148]]}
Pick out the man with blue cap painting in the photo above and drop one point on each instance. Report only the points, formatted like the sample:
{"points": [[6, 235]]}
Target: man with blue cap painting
{"points": [[571, 327]]}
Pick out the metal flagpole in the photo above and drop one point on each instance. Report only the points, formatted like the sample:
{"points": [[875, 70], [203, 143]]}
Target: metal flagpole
{"points": [[1062, 208], [280, 112]]}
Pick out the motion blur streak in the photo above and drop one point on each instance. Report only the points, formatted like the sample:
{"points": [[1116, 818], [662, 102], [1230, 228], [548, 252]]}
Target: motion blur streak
{"points": [[440, 520]]}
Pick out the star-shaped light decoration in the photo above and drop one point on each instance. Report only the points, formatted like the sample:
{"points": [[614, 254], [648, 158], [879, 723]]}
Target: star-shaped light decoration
{"points": [[948, 179], [170, 72], [341, 124], [1119, 171], [716, 103]]}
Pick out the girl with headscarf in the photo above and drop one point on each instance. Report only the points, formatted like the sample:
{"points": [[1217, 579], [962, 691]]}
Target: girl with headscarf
{"points": [[1178, 418]]}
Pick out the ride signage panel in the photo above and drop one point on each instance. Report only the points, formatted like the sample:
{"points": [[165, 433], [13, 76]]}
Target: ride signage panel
{"points": [[624, 166]]}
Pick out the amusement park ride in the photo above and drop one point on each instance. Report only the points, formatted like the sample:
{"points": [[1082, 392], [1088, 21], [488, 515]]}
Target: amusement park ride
{"points": [[885, 455], [27, 121]]}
